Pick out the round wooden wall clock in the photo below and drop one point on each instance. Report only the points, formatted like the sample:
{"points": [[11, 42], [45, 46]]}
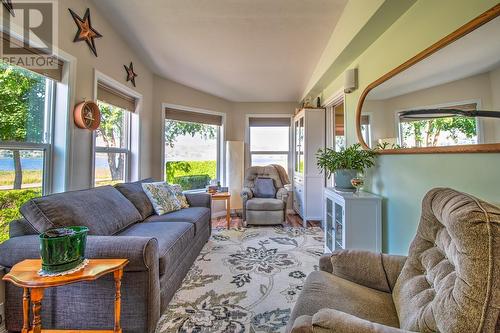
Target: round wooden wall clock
{"points": [[87, 115]]}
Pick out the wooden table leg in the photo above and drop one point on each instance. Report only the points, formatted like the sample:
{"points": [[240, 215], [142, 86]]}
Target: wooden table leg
{"points": [[36, 299], [228, 212], [26, 310], [118, 282]]}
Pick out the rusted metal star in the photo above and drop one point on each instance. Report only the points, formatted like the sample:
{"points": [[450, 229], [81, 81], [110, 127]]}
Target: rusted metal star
{"points": [[85, 31], [131, 75], [8, 6]]}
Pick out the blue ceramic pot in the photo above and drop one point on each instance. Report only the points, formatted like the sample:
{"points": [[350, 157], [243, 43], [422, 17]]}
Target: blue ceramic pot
{"points": [[342, 178]]}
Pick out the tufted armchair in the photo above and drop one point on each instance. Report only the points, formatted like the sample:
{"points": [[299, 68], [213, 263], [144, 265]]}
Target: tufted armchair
{"points": [[263, 210], [449, 283]]}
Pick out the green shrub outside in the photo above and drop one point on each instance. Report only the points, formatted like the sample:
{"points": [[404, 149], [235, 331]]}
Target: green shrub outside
{"points": [[190, 168], [10, 202], [192, 182]]}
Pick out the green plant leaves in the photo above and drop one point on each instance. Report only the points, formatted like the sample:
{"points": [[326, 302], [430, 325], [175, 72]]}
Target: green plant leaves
{"points": [[352, 157]]}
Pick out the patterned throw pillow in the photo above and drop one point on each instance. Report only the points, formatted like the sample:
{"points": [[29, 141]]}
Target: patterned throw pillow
{"points": [[162, 197], [180, 196]]}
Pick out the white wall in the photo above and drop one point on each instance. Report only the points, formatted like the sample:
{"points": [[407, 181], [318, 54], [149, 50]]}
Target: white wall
{"points": [[113, 52]]}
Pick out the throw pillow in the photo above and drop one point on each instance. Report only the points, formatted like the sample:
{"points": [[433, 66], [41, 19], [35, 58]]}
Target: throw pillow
{"points": [[264, 188], [162, 197], [180, 196]]}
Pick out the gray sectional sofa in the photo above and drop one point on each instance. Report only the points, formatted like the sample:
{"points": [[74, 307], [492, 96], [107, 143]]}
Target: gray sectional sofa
{"points": [[122, 224]]}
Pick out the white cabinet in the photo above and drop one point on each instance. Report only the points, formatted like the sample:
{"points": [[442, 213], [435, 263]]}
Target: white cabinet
{"points": [[352, 221], [308, 182]]}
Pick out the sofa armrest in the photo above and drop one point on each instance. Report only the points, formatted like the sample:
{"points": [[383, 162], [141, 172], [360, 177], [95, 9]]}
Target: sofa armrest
{"points": [[142, 252], [199, 199], [334, 321], [374, 270], [282, 194]]}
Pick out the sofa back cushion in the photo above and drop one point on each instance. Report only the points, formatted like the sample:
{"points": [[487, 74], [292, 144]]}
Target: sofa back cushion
{"points": [[104, 210], [451, 279], [134, 192]]}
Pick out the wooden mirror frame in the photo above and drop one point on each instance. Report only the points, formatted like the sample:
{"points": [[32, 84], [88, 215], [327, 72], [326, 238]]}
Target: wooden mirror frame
{"points": [[457, 34]]}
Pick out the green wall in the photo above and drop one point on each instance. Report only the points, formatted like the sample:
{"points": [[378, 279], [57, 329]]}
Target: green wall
{"points": [[404, 179]]}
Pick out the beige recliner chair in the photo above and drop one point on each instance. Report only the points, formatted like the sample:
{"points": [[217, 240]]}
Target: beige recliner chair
{"points": [[264, 210], [449, 283]]}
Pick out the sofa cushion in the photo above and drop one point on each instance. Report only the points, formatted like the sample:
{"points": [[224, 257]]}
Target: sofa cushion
{"points": [[162, 197], [265, 204], [174, 239], [264, 188], [134, 192], [104, 210], [199, 216], [451, 279], [325, 290]]}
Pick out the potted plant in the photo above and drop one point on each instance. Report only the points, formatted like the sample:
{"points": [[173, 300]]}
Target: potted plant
{"points": [[345, 164]]}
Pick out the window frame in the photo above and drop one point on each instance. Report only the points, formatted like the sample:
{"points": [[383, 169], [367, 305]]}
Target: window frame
{"points": [[46, 146], [221, 137], [132, 166], [250, 152], [118, 150]]}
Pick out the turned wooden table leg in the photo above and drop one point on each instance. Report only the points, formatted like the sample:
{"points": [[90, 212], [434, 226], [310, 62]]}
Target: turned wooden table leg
{"points": [[36, 299], [118, 281], [228, 212], [26, 310]]}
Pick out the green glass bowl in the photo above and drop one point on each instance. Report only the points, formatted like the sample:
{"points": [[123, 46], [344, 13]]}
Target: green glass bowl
{"points": [[63, 253]]}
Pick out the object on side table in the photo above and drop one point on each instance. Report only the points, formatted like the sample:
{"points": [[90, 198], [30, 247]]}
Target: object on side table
{"points": [[25, 275], [62, 249]]}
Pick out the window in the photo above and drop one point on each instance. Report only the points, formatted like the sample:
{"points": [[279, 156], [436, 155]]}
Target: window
{"points": [[26, 113], [192, 153], [269, 141], [112, 138], [366, 129], [439, 130]]}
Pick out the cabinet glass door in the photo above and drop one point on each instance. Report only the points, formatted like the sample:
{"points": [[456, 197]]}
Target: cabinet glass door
{"points": [[329, 224], [338, 227], [296, 145], [301, 145]]}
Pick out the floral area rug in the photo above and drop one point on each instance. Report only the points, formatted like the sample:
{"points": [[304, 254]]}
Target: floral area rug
{"points": [[244, 280]]}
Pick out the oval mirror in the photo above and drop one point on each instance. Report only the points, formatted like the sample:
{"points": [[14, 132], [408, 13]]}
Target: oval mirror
{"points": [[445, 99]]}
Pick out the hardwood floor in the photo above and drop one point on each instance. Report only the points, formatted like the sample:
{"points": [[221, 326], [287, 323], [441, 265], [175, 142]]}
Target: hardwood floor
{"points": [[292, 220]]}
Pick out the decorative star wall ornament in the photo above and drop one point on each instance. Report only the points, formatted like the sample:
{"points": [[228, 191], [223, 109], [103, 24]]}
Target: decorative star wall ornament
{"points": [[9, 7], [131, 75], [85, 31]]}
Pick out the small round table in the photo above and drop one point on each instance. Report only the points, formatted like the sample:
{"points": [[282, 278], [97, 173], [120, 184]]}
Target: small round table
{"points": [[226, 196], [25, 275]]}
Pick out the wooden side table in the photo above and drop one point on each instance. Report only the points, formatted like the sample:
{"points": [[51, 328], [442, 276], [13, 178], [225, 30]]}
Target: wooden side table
{"points": [[226, 196], [25, 275]]}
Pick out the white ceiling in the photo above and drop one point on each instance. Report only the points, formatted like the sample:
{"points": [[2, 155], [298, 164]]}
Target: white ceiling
{"points": [[476, 53], [241, 50]]}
